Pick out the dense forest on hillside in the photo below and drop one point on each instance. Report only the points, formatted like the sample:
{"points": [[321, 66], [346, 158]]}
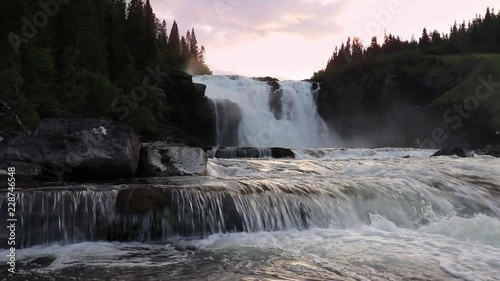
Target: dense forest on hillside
{"points": [[402, 93], [84, 58], [480, 35]]}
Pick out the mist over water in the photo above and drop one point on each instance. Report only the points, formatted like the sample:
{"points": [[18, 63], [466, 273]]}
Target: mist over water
{"points": [[299, 126]]}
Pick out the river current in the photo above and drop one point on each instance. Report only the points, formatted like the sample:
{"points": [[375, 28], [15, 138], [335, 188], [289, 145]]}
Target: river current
{"points": [[355, 214]]}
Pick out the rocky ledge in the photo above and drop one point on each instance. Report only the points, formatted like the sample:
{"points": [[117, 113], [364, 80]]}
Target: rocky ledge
{"points": [[92, 150], [491, 150]]}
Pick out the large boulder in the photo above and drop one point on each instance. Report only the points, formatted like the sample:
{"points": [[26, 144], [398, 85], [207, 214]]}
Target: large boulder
{"points": [[454, 151], [77, 149], [161, 160]]}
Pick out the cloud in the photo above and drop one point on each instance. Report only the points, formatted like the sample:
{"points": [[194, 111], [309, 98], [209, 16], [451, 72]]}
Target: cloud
{"points": [[223, 22]]}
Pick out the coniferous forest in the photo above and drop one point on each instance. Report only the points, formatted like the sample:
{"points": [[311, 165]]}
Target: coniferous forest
{"points": [[396, 91], [480, 36], [77, 58]]}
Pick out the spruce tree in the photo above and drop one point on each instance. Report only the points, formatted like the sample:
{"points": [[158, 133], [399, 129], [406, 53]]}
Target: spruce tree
{"points": [[150, 32], [193, 46], [174, 46], [134, 31], [163, 42]]}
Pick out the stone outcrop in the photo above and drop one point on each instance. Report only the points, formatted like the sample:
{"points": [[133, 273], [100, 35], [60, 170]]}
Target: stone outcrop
{"points": [[161, 160], [251, 152], [454, 151], [76, 149], [190, 110]]}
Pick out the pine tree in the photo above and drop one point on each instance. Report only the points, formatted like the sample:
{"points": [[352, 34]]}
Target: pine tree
{"points": [[374, 49], [193, 46], [174, 46], [184, 51], [425, 40], [119, 57], [150, 35], [134, 31], [163, 42], [357, 50]]}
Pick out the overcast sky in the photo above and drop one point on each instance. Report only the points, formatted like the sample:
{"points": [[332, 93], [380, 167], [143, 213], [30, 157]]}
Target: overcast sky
{"points": [[291, 39]]}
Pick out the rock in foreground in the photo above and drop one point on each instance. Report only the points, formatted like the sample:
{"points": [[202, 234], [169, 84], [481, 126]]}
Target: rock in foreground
{"points": [[77, 149], [454, 151], [160, 160]]}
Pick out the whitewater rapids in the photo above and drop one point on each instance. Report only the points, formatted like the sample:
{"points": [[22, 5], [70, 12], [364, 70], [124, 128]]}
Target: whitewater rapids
{"points": [[301, 125], [372, 215]]}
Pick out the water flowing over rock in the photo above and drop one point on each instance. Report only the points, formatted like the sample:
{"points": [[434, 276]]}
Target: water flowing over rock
{"points": [[273, 113], [77, 149], [228, 116], [274, 195], [161, 160], [454, 151]]}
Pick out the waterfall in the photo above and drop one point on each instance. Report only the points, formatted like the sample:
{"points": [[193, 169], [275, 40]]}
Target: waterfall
{"points": [[283, 117], [253, 195]]}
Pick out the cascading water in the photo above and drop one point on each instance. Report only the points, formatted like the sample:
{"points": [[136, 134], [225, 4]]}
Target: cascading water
{"points": [[335, 214], [298, 123]]}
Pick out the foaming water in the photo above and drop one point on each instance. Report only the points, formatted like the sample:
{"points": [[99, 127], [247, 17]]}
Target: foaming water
{"points": [[299, 125], [377, 251], [345, 215]]}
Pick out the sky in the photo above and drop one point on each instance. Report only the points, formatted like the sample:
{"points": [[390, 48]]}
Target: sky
{"points": [[292, 39]]}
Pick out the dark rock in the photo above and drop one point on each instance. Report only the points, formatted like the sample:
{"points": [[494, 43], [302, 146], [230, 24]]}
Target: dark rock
{"points": [[272, 82], [161, 160], [138, 201], [315, 86], [407, 157], [454, 151], [492, 150], [77, 149], [199, 89], [251, 152], [191, 112], [25, 173], [228, 122], [275, 103], [275, 96], [279, 152]]}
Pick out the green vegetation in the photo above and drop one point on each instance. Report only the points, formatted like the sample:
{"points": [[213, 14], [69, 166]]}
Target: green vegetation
{"points": [[452, 65], [77, 58]]}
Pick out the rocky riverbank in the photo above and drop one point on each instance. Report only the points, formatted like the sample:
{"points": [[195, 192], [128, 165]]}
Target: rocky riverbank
{"points": [[89, 150]]}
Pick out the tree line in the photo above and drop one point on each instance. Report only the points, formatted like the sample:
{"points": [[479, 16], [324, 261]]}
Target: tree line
{"points": [[64, 58], [480, 35]]}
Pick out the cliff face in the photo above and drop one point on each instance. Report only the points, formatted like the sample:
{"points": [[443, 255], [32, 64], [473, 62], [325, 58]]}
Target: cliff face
{"points": [[192, 115], [426, 102]]}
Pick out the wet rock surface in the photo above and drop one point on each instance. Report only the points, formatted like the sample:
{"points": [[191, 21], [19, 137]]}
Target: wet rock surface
{"points": [[78, 149], [161, 160]]}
